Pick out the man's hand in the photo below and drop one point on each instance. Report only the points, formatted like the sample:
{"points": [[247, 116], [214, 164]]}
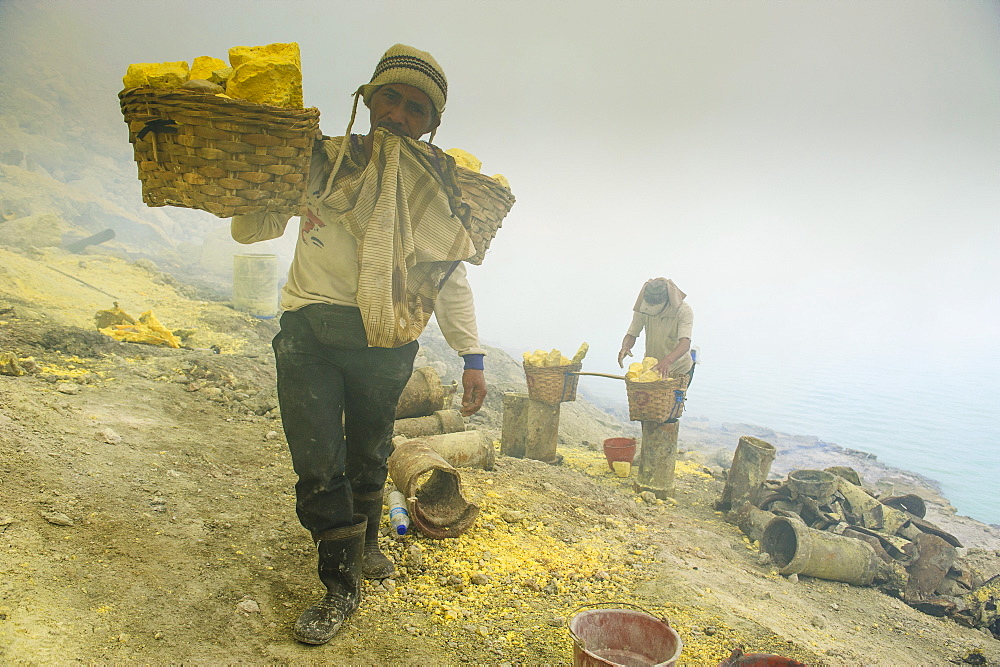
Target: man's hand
{"points": [[627, 342], [474, 386], [663, 367]]}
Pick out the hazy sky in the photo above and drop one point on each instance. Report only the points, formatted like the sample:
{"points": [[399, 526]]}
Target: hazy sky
{"points": [[813, 174]]}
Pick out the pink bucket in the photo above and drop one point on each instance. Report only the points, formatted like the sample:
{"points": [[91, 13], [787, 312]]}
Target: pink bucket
{"points": [[608, 637]]}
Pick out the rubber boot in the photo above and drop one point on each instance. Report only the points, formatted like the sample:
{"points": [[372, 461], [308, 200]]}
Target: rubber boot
{"points": [[375, 563], [340, 553]]}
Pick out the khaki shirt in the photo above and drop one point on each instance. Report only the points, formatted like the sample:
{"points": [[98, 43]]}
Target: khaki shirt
{"points": [[664, 331], [325, 270]]}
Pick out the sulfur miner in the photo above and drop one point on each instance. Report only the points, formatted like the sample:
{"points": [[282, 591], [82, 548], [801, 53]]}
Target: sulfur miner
{"points": [[661, 311], [369, 270]]}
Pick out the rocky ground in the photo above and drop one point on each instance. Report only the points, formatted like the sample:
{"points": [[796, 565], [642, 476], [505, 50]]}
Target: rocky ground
{"points": [[146, 515]]}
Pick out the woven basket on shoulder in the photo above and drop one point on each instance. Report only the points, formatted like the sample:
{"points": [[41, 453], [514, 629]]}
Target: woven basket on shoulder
{"points": [[489, 202], [221, 155], [656, 401], [552, 384]]}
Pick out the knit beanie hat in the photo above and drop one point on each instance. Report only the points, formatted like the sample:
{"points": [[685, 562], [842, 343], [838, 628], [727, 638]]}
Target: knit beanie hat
{"points": [[405, 64], [400, 64]]}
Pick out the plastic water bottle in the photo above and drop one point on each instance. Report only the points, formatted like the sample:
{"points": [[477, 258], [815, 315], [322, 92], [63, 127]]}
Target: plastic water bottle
{"points": [[398, 516]]}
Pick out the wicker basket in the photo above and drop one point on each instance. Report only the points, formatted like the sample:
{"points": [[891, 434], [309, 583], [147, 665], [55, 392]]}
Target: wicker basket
{"points": [[552, 384], [225, 156], [656, 401], [489, 202]]}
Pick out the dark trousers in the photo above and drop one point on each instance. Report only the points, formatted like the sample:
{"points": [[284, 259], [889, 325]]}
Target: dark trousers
{"points": [[338, 403]]}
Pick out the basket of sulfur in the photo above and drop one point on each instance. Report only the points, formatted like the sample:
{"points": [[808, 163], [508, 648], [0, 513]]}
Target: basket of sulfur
{"points": [[650, 396], [551, 377], [488, 200], [228, 139]]}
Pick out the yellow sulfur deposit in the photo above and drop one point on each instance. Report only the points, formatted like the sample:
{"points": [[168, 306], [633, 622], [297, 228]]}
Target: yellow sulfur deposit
{"points": [[552, 358], [270, 74], [106, 318], [465, 159], [642, 371], [10, 364], [204, 66], [121, 326], [277, 52], [156, 75], [471, 162]]}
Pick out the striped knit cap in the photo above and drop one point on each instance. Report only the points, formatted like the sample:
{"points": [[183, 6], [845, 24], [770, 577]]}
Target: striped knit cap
{"points": [[405, 64]]}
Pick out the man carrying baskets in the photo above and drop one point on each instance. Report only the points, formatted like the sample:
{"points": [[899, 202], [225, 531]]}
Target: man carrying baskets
{"points": [[380, 247], [667, 319]]}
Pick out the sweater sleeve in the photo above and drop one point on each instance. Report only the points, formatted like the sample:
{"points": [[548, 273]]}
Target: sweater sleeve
{"points": [[258, 227], [635, 328], [456, 313], [685, 321]]}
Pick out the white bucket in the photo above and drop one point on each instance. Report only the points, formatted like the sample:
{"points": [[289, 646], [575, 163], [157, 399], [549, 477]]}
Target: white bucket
{"points": [[255, 284]]}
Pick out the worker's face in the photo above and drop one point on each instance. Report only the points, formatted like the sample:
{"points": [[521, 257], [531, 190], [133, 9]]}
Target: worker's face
{"points": [[403, 110]]}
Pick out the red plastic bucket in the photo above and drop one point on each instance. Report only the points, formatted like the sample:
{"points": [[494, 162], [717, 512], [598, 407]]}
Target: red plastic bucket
{"points": [[608, 637], [619, 449]]}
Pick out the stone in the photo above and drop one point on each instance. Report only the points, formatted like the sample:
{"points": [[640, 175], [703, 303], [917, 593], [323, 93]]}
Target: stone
{"points": [[248, 606], [57, 518], [68, 388], [108, 435]]}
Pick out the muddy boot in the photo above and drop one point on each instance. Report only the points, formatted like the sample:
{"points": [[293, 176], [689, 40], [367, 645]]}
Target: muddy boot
{"points": [[376, 565], [340, 552]]}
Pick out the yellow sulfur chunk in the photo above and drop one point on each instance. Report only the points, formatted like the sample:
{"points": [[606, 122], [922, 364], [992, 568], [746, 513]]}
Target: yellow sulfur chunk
{"points": [[270, 74], [465, 159], [501, 179], [204, 66], [118, 324], [156, 75], [649, 362], [536, 358], [649, 376], [106, 318], [10, 365], [554, 358], [581, 353], [279, 52], [635, 368], [565, 361], [149, 319]]}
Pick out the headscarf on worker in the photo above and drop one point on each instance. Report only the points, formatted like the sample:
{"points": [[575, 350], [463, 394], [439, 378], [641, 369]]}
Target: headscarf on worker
{"points": [[656, 289]]}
